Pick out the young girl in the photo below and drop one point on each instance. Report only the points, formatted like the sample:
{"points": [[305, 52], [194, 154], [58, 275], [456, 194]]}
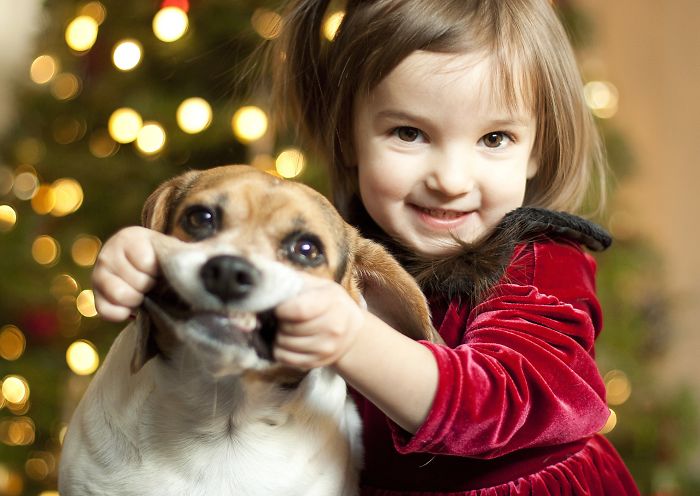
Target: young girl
{"points": [[439, 117]]}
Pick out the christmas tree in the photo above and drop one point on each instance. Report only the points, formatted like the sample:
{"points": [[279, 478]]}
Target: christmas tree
{"points": [[122, 96]]}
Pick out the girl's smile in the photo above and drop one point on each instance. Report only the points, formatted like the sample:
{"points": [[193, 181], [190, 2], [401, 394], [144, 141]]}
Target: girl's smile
{"points": [[438, 154]]}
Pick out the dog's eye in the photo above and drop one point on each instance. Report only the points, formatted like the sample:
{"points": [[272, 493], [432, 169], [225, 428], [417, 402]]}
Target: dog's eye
{"points": [[199, 221], [305, 249]]}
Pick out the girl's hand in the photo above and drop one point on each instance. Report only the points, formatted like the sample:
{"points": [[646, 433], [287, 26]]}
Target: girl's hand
{"points": [[318, 326], [124, 271]]}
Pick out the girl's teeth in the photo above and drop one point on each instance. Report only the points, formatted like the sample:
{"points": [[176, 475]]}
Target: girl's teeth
{"points": [[443, 214]]}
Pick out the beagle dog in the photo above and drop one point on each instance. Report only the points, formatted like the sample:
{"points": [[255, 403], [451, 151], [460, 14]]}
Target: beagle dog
{"points": [[189, 400]]}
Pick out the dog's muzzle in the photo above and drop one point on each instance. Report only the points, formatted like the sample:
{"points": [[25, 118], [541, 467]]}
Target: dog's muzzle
{"points": [[230, 279]]}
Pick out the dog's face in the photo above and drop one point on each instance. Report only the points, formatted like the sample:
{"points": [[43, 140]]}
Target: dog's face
{"points": [[238, 241]]}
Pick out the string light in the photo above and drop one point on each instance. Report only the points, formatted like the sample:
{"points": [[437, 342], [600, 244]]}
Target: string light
{"points": [[95, 10], [101, 144], [332, 24], [602, 98], [30, 151], [610, 424], [62, 285], [151, 138], [15, 389], [7, 179], [84, 250], [43, 69], [249, 123], [85, 302], [8, 218], [12, 343], [68, 129], [266, 23], [44, 200], [124, 125], [46, 250], [617, 386], [81, 33], [25, 186], [82, 357], [194, 115], [127, 54], [69, 196], [170, 24], [66, 86], [290, 163]]}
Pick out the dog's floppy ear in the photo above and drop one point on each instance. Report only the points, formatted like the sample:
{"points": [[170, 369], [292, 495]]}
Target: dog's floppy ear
{"points": [[145, 348], [390, 292], [159, 206]]}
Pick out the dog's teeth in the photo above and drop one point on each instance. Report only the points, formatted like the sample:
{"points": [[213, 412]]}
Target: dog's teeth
{"points": [[245, 321]]}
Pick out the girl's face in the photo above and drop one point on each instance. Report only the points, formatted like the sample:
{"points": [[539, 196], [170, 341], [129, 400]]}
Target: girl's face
{"points": [[438, 154]]}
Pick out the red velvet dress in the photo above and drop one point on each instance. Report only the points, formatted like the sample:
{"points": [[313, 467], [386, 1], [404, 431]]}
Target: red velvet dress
{"points": [[519, 398]]}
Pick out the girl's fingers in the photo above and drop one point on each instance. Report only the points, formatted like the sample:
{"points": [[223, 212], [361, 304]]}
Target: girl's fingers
{"points": [[109, 311], [113, 289]]}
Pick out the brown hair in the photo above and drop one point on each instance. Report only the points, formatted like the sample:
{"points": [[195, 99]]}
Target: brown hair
{"points": [[318, 81]]}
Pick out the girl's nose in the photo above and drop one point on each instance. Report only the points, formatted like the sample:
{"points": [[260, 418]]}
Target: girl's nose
{"points": [[453, 174]]}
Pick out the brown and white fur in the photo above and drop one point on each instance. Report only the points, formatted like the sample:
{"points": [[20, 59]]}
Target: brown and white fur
{"points": [[189, 400]]}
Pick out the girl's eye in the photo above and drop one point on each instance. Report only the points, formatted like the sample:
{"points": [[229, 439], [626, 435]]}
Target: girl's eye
{"points": [[495, 140], [408, 134]]}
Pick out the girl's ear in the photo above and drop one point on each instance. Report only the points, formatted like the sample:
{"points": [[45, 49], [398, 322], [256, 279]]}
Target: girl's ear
{"points": [[390, 292], [533, 166]]}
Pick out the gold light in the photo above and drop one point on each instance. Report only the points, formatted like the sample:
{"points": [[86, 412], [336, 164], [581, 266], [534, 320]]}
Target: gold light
{"points": [[26, 184], [86, 303], [82, 357], [332, 24], [43, 69], [8, 218], [124, 125], [12, 343], [266, 23], [36, 468], [7, 180], [127, 54], [65, 86], [170, 24], [30, 150], [610, 424], [290, 163], [15, 389], [11, 483], [68, 129], [84, 250], [62, 285], [44, 200], [617, 386], [81, 33], [194, 115], [151, 138], [602, 98], [18, 431], [95, 10], [249, 123], [69, 196], [46, 250], [101, 144]]}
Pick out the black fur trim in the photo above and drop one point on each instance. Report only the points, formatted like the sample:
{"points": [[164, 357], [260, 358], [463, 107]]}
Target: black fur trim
{"points": [[474, 270]]}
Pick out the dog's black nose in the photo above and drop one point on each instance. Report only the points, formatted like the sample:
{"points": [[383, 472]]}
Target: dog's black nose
{"points": [[229, 277]]}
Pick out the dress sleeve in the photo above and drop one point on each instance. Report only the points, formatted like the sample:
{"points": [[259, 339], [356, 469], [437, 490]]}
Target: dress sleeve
{"points": [[524, 374]]}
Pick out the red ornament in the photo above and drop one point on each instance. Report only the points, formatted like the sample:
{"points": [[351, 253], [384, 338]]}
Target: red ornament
{"points": [[180, 4], [40, 324]]}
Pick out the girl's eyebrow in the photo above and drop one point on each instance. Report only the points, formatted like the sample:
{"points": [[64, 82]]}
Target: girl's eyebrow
{"points": [[396, 114]]}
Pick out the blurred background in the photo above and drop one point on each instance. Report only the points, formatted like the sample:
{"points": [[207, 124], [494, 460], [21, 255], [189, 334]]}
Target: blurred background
{"points": [[100, 101]]}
